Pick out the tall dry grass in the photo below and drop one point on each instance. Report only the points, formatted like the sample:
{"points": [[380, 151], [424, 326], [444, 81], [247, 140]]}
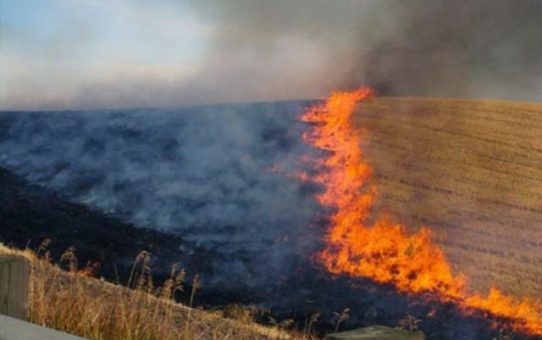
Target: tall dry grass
{"points": [[66, 298]]}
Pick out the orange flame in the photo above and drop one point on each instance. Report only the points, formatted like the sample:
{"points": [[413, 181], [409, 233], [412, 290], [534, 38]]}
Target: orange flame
{"points": [[385, 252]]}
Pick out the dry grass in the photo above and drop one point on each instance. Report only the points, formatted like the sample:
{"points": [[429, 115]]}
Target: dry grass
{"points": [[76, 303], [472, 171]]}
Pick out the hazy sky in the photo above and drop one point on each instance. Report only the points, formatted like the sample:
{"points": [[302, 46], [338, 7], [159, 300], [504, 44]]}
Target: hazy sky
{"points": [[56, 47], [127, 53]]}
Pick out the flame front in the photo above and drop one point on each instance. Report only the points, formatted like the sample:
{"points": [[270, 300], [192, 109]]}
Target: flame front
{"points": [[384, 251]]}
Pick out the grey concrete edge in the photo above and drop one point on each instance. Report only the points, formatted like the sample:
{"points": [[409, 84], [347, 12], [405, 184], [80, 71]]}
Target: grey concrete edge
{"points": [[15, 329]]}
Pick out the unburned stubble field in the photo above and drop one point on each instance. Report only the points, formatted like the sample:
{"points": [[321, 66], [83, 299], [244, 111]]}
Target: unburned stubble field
{"points": [[472, 171]]}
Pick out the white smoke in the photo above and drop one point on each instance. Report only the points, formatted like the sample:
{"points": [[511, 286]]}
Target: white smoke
{"points": [[202, 173]]}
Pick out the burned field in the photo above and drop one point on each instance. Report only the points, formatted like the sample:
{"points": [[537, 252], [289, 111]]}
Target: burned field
{"points": [[464, 169], [31, 214]]}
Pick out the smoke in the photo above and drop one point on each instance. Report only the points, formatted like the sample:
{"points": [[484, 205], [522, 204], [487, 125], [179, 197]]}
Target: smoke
{"points": [[285, 50], [207, 174], [478, 48], [462, 48]]}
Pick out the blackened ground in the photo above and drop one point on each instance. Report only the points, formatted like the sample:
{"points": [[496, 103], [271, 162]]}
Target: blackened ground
{"points": [[315, 291], [30, 214], [217, 176]]}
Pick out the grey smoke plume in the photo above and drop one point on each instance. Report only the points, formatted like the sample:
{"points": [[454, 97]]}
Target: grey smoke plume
{"points": [[478, 48], [295, 49], [207, 174]]}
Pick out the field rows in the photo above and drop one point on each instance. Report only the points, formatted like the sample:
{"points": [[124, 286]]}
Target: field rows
{"points": [[472, 171]]}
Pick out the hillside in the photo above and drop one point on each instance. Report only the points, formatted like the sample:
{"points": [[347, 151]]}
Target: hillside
{"points": [[96, 309], [472, 171], [30, 214], [469, 170]]}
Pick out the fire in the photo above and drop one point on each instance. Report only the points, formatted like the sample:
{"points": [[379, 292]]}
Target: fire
{"points": [[384, 251]]}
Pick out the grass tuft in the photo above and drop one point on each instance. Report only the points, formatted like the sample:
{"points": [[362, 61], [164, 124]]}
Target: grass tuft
{"points": [[67, 298]]}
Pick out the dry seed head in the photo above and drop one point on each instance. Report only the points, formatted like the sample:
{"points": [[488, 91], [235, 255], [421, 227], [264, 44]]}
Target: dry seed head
{"points": [[69, 258], [43, 246]]}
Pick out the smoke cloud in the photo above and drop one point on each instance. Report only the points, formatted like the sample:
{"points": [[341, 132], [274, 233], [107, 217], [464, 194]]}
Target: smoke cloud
{"points": [[285, 50], [218, 176], [478, 48]]}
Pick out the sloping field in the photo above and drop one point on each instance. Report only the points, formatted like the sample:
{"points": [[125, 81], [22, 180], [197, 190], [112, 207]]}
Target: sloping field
{"points": [[78, 304], [472, 171]]}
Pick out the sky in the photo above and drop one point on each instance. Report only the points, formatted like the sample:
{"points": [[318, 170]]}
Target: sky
{"points": [[88, 54], [56, 47]]}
